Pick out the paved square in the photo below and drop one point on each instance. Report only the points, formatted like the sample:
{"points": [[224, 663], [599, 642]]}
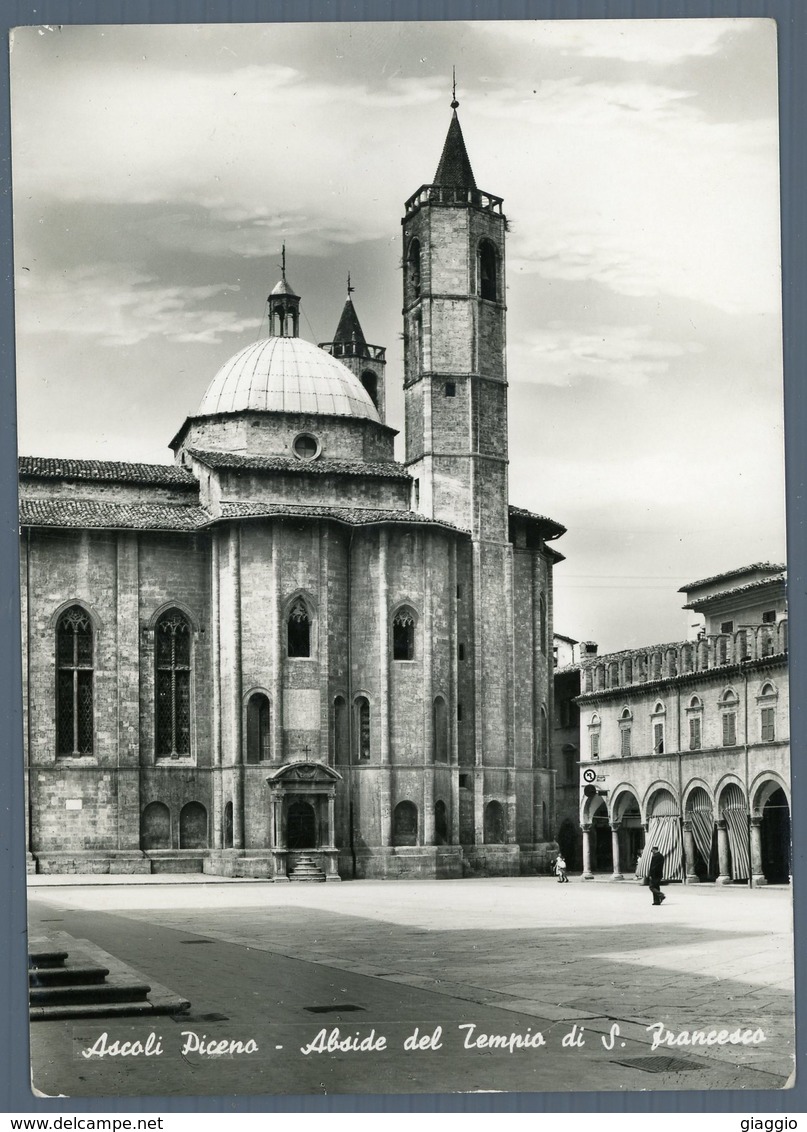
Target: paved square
{"points": [[506, 956]]}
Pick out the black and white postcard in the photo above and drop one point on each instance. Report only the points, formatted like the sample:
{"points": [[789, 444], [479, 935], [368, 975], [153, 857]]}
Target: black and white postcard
{"points": [[402, 561]]}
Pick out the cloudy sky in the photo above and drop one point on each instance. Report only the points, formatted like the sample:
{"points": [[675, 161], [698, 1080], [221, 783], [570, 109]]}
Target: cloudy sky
{"points": [[158, 169]]}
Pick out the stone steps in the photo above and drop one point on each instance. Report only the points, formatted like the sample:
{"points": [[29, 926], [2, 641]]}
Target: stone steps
{"points": [[91, 985], [303, 868]]}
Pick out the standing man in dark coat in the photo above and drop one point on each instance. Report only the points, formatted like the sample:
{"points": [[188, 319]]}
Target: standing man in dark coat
{"points": [[655, 874]]}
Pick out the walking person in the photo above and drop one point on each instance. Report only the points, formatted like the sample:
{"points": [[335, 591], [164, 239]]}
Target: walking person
{"points": [[655, 874], [560, 869]]}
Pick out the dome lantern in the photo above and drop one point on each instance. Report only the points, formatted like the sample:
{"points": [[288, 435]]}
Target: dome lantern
{"points": [[284, 307]]}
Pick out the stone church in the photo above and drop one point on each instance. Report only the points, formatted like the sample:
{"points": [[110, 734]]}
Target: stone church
{"points": [[286, 655]]}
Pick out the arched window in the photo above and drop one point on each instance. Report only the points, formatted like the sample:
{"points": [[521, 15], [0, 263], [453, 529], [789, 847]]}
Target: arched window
{"points": [[594, 736], [172, 654], [74, 683], [155, 827], [193, 826], [728, 704], [405, 824], [440, 823], [695, 716], [659, 712], [440, 737], [362, 729], [370, 382], [413, 270], [403, 634], [298, 630], [259, 728], [487, 270], [544, 736], [625, 721], [494, 823], [767, 712]]}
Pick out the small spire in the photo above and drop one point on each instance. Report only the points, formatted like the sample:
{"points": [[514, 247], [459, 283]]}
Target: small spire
{"points": [[454, 103], [283, 261]]}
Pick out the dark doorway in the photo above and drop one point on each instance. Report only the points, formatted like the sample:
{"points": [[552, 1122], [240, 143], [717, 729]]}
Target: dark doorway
{"points": [[301, 830], [440, 823], [631, 838], [570, 846], [602, 855], [776, 839]]}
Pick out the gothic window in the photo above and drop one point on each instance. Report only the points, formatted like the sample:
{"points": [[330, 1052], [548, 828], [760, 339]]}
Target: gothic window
{"points": [[259, 728], [298, 628], [544, 736], [543, 624], [403, 635], [405, 824], [487, 270], [74, 683], [362, 707], [440, 737], [413, 270], [172, 652]]}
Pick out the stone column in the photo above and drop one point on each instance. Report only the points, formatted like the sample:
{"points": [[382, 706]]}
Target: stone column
{"points": [[689, 854], [587, 873], [331, 844], [278, 649], [215, 632], [723, 855], [757, 875], [615, 851], [234, 564], [383, 643], [427, 823]]}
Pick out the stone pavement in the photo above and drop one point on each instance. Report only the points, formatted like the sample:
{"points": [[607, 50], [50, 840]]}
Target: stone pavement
{"points": [[510, 955]]}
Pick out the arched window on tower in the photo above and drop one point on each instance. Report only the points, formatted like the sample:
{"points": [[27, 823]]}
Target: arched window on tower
{"points": [[403, 634], [370, 382], [413, 271], [259, 728], [172, 652], [74, 694], [298, 630], [488, 288]]}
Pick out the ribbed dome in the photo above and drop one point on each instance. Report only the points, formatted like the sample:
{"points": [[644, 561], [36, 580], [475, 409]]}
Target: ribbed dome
{"points": [[287, 375]]}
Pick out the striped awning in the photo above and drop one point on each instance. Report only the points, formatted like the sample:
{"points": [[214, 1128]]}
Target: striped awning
{"points": [[701, 815], [664, 833], [734, 812]]}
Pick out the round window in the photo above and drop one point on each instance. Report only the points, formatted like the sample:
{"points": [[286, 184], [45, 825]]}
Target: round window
{"points": [[305, 446]]}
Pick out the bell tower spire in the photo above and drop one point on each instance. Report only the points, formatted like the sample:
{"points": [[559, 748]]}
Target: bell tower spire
{"points": [[351, 348]]}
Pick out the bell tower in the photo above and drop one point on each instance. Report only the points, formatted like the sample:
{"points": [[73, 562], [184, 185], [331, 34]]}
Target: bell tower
{"points": [[455, 391], [454, 346], [352, 349]]}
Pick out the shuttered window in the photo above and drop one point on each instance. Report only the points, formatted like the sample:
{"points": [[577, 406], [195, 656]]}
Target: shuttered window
{"points": [[768, 725], [729, 729]]}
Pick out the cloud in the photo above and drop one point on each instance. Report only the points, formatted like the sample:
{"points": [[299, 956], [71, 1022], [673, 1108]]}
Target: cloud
{"points": [[658, 42], [564, 355], [122, 309]]}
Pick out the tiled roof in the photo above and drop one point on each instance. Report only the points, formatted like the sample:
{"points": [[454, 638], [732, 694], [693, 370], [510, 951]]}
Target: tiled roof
{"points": [[759, 584], [108, 516], [556, 529], [776, 567], [321, 466], [41, 467], [356, 516], [80, 513], [640, 650]]}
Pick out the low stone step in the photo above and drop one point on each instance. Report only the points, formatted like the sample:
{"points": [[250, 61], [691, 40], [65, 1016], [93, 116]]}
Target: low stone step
{"points": [[85, 973], [96, 993], [55, 1013], [45, 957]]}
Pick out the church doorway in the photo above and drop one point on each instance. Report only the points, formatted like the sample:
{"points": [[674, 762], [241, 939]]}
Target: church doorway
{"points": [[301, 828], [776, 839]]}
